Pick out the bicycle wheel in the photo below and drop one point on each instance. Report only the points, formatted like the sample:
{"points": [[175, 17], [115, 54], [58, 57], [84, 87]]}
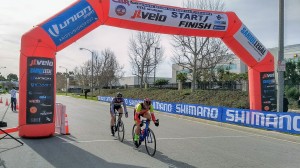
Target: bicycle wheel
{"points": [[133, 132], [121, 130], [150, 142]]}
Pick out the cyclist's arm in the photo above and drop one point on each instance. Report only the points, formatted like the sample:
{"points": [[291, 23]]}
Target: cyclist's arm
{"points": [[152, 113], [124, 105], [112, 106], [138, 109]]}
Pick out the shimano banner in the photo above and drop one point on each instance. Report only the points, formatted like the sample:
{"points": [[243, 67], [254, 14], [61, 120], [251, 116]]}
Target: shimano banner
{"points": [[283, 122], [193, 110]]}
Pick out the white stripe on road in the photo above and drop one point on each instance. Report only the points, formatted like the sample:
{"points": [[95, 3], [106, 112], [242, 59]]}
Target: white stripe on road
{"points": [[207, 137], [99, 140], [184, 138]]}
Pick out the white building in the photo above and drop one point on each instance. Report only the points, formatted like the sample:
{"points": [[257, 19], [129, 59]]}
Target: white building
{"points": [[236, 65], [134, 80]]}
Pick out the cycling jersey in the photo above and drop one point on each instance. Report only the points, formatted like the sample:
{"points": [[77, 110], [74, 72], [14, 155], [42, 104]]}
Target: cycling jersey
{"points": [[140, 110], [116, 104]]}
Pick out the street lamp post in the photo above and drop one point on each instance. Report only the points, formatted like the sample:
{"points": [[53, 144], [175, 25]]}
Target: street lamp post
{"points": [[66, 79], [155, 62], [92, 66]]}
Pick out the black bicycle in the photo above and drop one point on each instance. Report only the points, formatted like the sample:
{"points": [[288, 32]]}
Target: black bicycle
{"points": [[119, 126], [147, 135]]}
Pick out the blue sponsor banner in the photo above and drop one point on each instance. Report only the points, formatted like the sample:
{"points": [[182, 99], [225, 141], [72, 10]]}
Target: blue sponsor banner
{"points": [[70, 22], [163, 106], [199, 111], [193, 110], [105, 98], [277, 121]]}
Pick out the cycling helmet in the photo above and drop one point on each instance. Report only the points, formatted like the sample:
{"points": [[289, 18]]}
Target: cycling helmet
{"points": [[147, 101], [119, 94]]}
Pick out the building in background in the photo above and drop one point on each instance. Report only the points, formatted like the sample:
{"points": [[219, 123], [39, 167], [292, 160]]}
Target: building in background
{"points": [[236, 65], [134, 80]]}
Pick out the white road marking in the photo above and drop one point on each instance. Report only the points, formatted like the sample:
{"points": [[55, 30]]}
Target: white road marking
{"points": [[178, 138], [207, 137]]}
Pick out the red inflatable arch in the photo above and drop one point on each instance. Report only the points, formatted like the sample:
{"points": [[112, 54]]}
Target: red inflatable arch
{"points": [[39, 47]]}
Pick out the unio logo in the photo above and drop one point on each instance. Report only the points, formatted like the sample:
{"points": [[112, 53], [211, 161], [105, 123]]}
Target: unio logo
{"points": [[57, 27]]}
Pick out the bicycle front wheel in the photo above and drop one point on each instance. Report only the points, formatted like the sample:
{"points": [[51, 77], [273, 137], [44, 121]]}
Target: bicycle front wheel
{"points": [[150, 142], [121, 131], [133, 132]]}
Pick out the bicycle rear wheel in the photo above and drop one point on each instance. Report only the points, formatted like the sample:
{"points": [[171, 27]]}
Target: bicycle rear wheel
{"points": [[150, 142], [121, 130]]}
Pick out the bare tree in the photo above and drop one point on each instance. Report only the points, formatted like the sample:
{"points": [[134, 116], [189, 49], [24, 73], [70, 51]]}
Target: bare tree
{"points": [[143, 58], [199, 54], [107, 71], [82, 75]]}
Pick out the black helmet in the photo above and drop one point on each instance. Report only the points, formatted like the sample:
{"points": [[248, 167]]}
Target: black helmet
{"points": [[119, 94], [147, 101]]}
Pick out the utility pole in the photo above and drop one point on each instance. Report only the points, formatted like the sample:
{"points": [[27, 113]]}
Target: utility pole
{"points": [[280, 59], [155, 62], [66, 79]]}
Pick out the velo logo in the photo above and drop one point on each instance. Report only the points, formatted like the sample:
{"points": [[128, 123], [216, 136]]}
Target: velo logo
{"points": [[149, 16], [35, 62]]}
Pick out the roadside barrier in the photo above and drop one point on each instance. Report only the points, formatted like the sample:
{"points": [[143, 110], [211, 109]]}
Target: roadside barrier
{"points": [[61, 120], [288, 122]]}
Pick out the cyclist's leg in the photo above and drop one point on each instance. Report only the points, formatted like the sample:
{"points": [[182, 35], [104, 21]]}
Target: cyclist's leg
{"points": [[112, 122], [147, 116], [120, 111], [138, 127], [137, 131]]}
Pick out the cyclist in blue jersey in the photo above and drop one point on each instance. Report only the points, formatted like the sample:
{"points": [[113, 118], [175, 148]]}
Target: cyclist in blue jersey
{"points": [[116, 106]]}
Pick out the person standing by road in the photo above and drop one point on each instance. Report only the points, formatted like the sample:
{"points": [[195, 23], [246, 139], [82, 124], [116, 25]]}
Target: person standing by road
{"points": [[13, 99]]}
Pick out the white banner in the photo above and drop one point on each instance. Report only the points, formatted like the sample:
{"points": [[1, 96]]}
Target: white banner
{"points": [[251, 43], [167, 16]]}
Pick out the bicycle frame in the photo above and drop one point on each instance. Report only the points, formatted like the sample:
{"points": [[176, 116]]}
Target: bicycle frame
{"points": [[147, 136], [144, 132], [117, 126]]}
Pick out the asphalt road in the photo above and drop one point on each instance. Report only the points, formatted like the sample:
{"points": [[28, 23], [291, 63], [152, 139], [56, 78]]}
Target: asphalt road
{"points": [[181, 142]]}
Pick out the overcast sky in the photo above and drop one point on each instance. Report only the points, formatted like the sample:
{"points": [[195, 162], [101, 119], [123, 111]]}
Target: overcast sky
{"points": [[19, 16]]}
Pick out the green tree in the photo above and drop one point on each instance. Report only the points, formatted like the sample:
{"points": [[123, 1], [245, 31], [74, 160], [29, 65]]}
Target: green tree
{"points": [[12, 77], [2, 78], [182, 77], [161, 82]]}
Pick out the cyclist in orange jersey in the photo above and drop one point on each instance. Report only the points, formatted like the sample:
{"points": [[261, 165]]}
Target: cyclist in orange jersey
{"points": [[145, 110]]}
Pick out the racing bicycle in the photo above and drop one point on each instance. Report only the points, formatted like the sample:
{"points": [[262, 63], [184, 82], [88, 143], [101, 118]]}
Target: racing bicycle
{"points": [[147, 135], [119, 126]]}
